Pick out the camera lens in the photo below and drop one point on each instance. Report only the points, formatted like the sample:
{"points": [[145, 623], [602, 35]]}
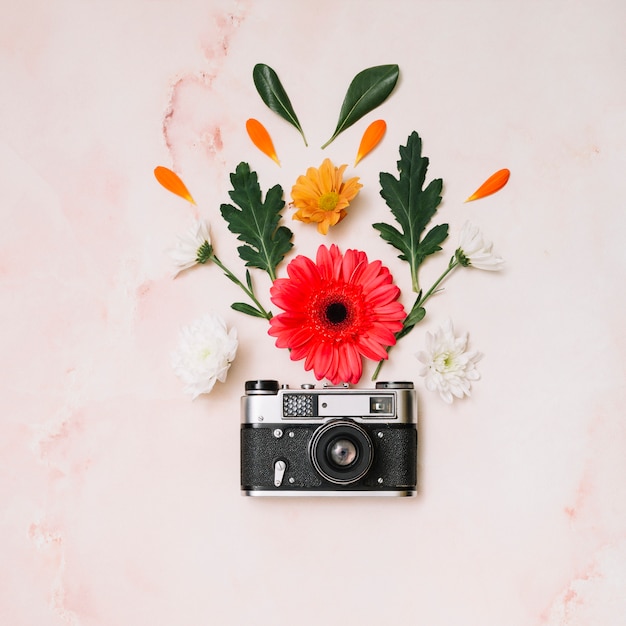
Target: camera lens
{"points": [[341, 451]]}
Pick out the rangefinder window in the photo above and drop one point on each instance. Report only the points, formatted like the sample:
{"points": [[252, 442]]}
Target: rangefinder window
{"points": [[381, 405]]}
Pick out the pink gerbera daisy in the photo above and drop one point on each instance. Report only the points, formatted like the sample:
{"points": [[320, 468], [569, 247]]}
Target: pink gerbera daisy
{"points": [[336, 311]]}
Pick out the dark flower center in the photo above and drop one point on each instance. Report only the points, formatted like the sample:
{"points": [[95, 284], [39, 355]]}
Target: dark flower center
{"points": [[336, 312]]}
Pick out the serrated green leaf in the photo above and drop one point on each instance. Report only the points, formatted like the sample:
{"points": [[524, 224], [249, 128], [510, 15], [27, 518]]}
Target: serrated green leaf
{"points": [[413, 206], [368, 89], [432, 240], [274, 95], [242, 307], [256, 221]]}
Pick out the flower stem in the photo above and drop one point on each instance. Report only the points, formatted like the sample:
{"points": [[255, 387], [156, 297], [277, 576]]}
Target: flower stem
{"points": [[248, 291], [453, 263], [419, 303]]}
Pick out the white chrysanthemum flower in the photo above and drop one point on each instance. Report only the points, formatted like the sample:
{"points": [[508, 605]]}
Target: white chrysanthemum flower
{"points": [[446, 364], [193, 247], [475, 251], [205, 351]]}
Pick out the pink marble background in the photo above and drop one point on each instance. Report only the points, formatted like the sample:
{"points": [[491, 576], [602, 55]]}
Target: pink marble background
{"points": [[119, 497]]}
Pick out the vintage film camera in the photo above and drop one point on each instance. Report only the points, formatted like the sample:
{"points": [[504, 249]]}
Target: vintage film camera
{"points": [[331, 441]]}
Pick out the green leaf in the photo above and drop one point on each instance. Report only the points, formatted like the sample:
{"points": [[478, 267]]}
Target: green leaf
{"points": [[368, 89], [413, 206], [431, 242], [274, 95], [242, 307], [414, 317], [249, 280], [256, 222]]}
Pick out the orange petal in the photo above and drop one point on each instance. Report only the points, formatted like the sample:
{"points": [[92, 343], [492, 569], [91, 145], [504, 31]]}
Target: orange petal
{"points": [[261, 138], [371, 137], [494, 183], [172, 182]]}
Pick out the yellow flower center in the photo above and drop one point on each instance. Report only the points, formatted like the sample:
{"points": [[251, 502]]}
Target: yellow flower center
{"points": [[328, 201]]}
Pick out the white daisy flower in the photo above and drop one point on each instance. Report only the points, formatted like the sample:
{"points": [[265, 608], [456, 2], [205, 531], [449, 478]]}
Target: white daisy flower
{"points": [[193, 247], [475, 251], [205, 351], [447, 366]]}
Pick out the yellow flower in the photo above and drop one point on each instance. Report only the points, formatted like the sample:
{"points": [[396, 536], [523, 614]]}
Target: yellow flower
{"points": [[322, 197]]}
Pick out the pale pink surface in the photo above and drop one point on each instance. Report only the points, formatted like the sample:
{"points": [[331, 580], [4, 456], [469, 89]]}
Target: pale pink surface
{"points": [[120, 498]]}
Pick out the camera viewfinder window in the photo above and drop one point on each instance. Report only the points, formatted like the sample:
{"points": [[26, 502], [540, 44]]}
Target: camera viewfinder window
{"points": [[381, 404]]}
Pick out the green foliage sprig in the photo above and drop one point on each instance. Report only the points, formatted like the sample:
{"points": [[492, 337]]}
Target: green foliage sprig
{"points": [[256, 221], [413, 207]]}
